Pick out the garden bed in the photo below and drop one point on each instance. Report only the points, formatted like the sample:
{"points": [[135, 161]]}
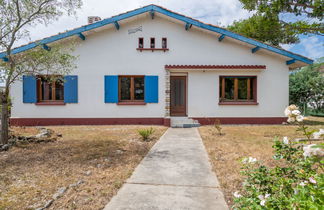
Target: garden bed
{"points": [[91, 162], [226, 151]]}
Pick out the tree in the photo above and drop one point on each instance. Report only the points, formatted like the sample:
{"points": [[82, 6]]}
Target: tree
{"points": [[306, 87], [278, 18], [267, 30], [16, 16]]}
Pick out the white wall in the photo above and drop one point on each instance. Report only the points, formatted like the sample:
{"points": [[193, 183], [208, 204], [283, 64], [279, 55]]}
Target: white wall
{"points": [[113, 52]]}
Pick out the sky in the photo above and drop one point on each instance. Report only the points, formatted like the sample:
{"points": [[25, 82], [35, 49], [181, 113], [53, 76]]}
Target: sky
{"points": [[217, 12]]}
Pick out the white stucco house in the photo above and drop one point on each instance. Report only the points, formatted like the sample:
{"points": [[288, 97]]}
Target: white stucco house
{"points": [[150, 65]]}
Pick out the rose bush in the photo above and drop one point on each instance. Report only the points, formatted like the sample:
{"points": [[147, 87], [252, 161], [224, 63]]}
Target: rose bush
{"points": [[295, 182]]}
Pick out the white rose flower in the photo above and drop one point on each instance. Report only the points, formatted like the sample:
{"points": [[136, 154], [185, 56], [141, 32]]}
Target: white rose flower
{"points": [[295, 112], [300, 118], [321, 131], [261, 197], [317, 135], [312, 180], [287, 112], [262, 203], [291, 119], [237, 194], [285, 140], [252, 160], [303, 184]]}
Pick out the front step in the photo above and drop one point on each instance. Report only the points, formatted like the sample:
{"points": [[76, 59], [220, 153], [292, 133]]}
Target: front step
{"points": [[184, 122]]}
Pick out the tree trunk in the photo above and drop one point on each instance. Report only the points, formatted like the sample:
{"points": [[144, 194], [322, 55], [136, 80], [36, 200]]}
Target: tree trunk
{"points": [[4, 119]]}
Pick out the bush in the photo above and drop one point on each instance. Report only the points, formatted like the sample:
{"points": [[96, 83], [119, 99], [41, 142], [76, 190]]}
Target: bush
{"points": [[146, 133], [295, 182]]}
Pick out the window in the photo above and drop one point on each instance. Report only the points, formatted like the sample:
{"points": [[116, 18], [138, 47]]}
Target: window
{"points": [[140, 42], [152, 43], [164, 43], [131, 88], [237, 89], [50, 89]]}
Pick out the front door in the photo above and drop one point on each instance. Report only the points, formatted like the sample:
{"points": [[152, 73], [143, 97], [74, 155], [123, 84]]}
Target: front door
{"points": [[178, 95]]}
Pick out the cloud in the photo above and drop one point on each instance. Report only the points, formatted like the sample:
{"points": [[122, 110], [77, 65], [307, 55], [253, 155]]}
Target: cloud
{"points": [[313, 47]]}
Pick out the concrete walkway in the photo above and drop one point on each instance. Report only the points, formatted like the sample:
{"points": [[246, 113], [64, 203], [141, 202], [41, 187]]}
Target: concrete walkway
{"points": [[175, 175]]}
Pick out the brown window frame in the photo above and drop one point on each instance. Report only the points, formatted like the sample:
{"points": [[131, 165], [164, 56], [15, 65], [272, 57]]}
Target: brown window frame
{"points": [[140, 39], [166, 43], [152, 41], [132, 90], [39, 90], [251, 99]]}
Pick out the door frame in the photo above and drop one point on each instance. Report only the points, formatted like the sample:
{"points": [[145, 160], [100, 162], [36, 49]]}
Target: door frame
{"points": [[184, 75]]}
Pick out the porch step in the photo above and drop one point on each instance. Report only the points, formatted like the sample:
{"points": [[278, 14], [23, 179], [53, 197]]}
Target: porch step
{"points": [[183, 122]]}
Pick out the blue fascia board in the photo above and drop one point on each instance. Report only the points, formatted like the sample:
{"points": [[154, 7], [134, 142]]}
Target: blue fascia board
{"points": [[221, 37], [231, 34], [291, 61], [167, 13], [79, 30], [117, 25], [82, 36]]}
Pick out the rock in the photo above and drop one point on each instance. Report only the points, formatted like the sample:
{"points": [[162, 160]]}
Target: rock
{"points": [[5, 147], [77, 184], [59, 135], [108, 159], [48, 204], [119, 152], [59, 193], [88, 173], [99, 165]]}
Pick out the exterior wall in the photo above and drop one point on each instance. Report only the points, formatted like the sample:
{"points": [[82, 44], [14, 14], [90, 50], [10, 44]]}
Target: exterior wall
{"points": [[113, 52]]}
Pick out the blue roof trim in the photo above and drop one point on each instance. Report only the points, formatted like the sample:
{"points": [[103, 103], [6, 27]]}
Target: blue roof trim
{"points": [[166, 12]]}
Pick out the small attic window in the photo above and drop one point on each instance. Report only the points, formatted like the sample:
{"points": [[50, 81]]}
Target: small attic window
{"points": [[152, 43], [141, 42], [164, 43]]}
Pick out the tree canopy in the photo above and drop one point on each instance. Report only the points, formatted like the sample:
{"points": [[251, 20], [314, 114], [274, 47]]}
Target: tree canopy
{"points": [[281, 21], [306, 86]]}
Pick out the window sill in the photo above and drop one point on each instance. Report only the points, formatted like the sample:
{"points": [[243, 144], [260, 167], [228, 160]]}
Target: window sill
{"points": [[238, 103], [132, 103], [153, 49], [50, 103]]}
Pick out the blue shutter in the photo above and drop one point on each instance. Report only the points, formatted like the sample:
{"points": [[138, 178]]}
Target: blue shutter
{"points": [[151, 84], [29, 89], [111, 89], [71, 89]]}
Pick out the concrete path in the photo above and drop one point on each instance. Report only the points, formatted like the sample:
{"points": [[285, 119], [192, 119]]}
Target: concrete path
{"points": [[175, 175]]}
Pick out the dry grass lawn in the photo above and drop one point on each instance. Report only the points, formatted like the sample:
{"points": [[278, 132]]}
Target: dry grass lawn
{"points": [[226, 151], [102, 156]]}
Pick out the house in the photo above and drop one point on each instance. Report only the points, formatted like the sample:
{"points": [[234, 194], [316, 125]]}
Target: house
{"points": [[150, 65]]}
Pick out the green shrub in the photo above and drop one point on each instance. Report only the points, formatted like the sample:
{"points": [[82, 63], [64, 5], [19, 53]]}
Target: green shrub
{"points": [[146, 133], [295, 182]]}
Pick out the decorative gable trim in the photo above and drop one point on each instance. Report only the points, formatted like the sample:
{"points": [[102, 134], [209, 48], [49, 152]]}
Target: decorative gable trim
{"points": [[170, 67]]}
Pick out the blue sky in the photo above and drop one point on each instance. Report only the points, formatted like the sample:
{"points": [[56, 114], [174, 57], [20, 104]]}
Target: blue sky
{"points": [[217, 12]]}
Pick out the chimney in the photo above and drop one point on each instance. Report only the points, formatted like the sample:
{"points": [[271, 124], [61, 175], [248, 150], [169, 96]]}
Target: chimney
{"points": [[93, 19]]}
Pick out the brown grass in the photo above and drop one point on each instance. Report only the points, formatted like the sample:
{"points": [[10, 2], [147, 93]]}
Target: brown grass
{"points": [[31, 173], [226, 151]]}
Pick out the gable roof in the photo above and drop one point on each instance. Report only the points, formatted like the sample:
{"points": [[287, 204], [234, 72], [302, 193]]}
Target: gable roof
{"points": [[154, 8]]}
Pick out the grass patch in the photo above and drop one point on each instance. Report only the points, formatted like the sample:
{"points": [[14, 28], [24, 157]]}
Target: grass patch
{"points": [[225, 152], [32, 173]]}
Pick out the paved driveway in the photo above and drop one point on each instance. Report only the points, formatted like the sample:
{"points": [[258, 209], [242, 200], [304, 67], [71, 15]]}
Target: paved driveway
{"points": [[175, 175]]}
